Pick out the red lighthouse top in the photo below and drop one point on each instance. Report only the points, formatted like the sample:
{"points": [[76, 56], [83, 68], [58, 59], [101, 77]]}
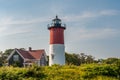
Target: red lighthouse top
{"points": [[56, 31]]}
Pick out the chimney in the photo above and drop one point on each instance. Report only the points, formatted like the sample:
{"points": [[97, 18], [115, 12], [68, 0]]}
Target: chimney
{"points": [[30, 49]]}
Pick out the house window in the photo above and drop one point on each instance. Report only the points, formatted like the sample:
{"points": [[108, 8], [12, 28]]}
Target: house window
{"points": [[42, 60], [16, 57]]}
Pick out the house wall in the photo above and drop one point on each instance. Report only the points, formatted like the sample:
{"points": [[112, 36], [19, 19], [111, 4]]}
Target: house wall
{"points": [[43, 61], [20, 60]]}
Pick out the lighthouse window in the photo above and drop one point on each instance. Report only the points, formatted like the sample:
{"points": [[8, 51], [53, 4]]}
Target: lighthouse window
{"points": [[52, 56], [57, 21]]}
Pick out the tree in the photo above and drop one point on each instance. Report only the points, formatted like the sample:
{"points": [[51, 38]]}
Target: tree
{"points": [[77, 59], [89, 59], [111, 60], [1, 53], [82, 57], [8, 51], [1, 60], [72, 59]]}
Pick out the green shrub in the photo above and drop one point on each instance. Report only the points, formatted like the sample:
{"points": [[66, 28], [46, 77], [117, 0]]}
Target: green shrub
{"points": [[58, 72]]}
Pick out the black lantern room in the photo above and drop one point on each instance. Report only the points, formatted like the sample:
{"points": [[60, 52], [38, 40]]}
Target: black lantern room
{"points": [[56, 23]]}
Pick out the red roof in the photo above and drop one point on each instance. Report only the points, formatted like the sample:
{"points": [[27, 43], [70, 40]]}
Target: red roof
{"points": [[32, 54]]}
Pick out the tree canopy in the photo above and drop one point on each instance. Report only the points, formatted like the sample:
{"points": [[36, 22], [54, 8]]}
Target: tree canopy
{"points": [[70, 58]]}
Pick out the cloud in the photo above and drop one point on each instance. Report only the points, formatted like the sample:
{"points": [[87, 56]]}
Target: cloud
{"points": [[10, 25], [90, 15], [97, 33], [88, 34], [79, 17], [12, 21], [13, 30], [91, 33], [2, 29], [109, 12]]}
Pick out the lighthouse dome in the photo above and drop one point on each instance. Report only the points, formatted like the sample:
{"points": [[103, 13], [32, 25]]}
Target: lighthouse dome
{"points": [[56, 22]]}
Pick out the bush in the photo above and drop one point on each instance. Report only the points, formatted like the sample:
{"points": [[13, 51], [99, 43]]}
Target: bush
{"points": [[100, 70], [58, 72]]}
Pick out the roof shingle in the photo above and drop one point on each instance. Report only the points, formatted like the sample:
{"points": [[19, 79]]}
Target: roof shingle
{"points": [[33, 54]]}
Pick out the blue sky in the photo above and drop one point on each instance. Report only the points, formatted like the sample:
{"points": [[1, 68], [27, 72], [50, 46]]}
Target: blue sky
{"points": [[93, 26]]}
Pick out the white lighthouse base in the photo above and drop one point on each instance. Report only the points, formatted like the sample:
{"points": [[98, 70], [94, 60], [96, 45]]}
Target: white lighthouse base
{"points": [[56, 54]]}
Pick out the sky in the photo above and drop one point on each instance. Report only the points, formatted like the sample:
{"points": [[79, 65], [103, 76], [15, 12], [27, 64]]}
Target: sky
{"points": [[92, 26]]}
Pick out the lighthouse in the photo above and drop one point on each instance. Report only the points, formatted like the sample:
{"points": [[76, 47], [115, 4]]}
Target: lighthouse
{"points": [[56, 44]]}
